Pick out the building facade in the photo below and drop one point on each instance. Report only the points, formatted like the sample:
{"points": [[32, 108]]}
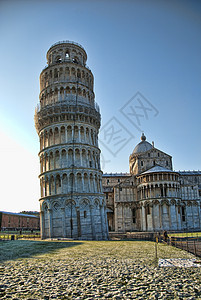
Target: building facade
{"points": [[67, 120], [18, 221], [152, 197]]}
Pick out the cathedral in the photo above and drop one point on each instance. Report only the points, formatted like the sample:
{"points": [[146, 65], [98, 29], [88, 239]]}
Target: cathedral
{"points": [[152, 197]]}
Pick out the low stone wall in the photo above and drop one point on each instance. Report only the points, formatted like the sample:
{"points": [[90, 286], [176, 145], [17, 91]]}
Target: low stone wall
{"points": [[144, 236]]}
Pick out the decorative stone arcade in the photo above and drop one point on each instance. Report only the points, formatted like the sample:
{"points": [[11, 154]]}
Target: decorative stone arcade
{"points": [[67, 121]]}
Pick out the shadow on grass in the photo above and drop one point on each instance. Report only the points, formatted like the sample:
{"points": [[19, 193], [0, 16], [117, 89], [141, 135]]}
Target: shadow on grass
{"points": [[10, 250]]}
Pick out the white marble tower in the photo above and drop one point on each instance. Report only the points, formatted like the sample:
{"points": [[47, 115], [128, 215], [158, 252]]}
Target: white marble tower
{"points": [[67, 121]]}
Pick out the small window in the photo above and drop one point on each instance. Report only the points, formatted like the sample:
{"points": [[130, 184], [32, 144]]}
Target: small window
{"points": [[148, 210], [118, 180], [134, 215], [158, 154], [148, 154], [183, 214], [154, 163], [141, 163], [90, 164], [85, 214], [108, 181], [106, 195], [58, 59], [55, 74], [67, 55], [166, 163], [120, 189]]}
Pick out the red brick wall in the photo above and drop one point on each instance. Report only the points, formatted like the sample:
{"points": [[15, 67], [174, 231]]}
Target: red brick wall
{"points": [[16, 221]]}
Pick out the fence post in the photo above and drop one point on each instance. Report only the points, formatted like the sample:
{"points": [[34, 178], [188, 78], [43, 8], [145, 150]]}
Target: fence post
{"points": [[195, 248], [156, 243]]}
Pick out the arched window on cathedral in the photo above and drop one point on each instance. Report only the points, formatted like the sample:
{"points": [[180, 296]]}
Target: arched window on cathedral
{"points": [[162, 191], [165, 191]]}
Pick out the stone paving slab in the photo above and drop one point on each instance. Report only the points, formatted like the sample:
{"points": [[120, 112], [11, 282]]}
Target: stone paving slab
{"points": [[179, 262], [95, 270]]}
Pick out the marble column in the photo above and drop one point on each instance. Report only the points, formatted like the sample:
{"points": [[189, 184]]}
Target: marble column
{"points": [[169, 215], [92, 223], [42, 232], [63, 217], [103, 225], [115, 217], [50, 222], [143, 218], [160, 216], [152, 213]]}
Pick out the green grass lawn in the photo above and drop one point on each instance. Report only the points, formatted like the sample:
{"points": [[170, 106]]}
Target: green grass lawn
{"points": [[186, 234], [17, 236], [117, 249]]}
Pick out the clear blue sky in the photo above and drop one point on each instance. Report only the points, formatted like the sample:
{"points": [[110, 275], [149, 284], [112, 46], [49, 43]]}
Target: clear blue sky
{"points": [[150, 47]]}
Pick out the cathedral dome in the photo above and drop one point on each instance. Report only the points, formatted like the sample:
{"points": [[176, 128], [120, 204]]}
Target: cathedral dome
{"points": [[143, 146]]}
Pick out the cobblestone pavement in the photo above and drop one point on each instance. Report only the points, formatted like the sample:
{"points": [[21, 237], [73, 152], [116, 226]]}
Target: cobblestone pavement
{"points": [[96, 270]]}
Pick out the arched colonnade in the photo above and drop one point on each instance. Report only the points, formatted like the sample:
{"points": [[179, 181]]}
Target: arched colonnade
{"points": [[68, 134], [157, 215], [84, 218], [67, 182], [158, 190], [69, 157], [69, 73], [66, 93]]}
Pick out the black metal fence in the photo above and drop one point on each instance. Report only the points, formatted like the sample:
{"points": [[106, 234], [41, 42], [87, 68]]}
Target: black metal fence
{"points": [[189, 244]]}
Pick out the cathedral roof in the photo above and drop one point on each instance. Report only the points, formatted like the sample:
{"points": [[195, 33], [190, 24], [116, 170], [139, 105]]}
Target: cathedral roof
{"points": [[116, 175], [158, 169], [190, 172], [143, 146]]}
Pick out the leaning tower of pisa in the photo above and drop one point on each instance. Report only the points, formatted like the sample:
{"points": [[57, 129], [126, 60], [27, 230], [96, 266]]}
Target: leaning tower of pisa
{"points": [[67, 121]]}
